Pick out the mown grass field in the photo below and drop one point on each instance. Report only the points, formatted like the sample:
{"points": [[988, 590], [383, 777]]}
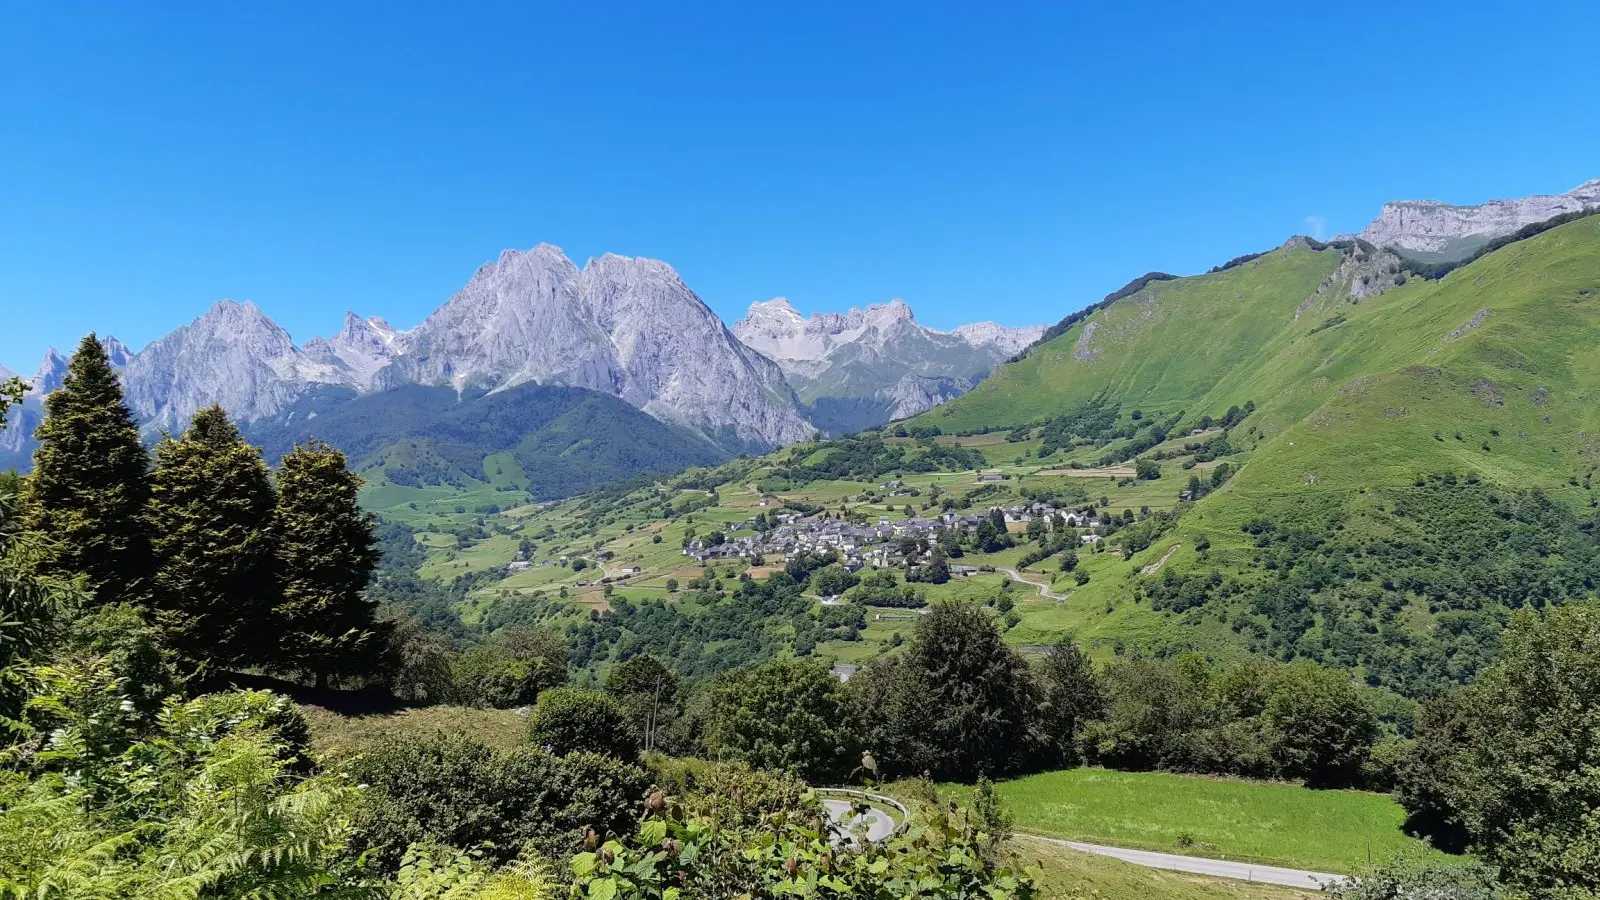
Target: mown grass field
{"points": [[1279, 824]]}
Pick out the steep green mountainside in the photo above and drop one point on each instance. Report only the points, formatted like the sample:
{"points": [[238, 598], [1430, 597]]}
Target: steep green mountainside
{"points": [[528, 441]]}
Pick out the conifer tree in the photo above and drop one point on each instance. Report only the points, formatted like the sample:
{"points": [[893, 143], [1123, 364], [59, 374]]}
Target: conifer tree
{"points": [[91, 481], [210, 517], [326, 553]]}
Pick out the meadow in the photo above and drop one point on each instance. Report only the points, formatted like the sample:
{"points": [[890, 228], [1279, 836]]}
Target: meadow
{"points": [[1273, 823]]}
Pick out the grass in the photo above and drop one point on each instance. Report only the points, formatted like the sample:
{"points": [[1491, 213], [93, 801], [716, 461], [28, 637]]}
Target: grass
{"points": [[1273, 823], [334, 734], [1064, 873]]}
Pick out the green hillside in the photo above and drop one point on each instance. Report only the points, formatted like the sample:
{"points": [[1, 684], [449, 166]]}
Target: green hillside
{"points": [[530, 441]]}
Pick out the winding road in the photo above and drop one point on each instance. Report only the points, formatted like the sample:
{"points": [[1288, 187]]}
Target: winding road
{"points": [[1219, 868], [1044, 589], [880, 824]]}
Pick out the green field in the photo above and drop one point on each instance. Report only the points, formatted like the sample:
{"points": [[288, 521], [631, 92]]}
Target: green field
{"points": [[1064, 874], [1278, 824]]}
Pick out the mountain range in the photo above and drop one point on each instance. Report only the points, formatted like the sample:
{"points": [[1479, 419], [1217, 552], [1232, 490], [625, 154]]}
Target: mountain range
{"points": [[869, 366], [623, 327]]}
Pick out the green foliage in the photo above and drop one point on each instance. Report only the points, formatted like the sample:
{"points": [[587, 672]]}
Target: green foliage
{"points": [[568, 720], [648, 692], [1070, 696], [327, 553], [512, 669], [991, 817], [210, 524], [980, 688], [787, 714], [455, 790], [1460, 549], [1146, 468], [867, 457], [204, 803], [90, 483], [790, 853], [1249, 719], [1318, 724], [417, 665], [1510, 759], [30, 607], [429, 872], [1409, 876]]}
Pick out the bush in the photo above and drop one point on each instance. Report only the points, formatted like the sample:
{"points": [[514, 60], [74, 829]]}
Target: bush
{"points": [[788, 714], [457, 791], [569, 720], [418, 662], [512, 670]]}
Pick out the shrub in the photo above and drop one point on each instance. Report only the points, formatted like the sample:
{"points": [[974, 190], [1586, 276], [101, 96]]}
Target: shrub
{"points": [[569, 720], [512, 669], [457, 791]]}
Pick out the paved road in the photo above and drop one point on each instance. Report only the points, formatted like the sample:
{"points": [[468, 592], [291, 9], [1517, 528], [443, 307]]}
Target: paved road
{"points": [[1044, 589], [1297, 878], [880, 824]]}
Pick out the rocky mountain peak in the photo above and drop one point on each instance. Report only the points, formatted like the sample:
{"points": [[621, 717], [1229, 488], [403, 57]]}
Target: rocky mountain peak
{"points": [[627, 326], [233, 355], [1007, 339], [361, 348]]}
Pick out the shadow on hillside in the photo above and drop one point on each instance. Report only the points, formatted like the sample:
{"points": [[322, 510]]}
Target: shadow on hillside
{"points": [[371, 700]]}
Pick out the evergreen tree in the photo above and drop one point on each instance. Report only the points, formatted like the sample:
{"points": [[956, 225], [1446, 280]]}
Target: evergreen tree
{"points": [[210, 516], [326, 554], [91, 481]]}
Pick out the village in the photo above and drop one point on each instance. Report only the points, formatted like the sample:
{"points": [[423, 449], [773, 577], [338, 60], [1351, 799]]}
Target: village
{"points": [[881, 545]]}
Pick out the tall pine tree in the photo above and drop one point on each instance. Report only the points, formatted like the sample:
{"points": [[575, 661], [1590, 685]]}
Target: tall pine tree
{"points": [[91, 481], [210, 515], [326, 553]]}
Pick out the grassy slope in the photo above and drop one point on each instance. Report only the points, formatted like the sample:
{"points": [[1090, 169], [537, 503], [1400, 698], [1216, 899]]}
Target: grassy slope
{"points": [[1279, 824]]}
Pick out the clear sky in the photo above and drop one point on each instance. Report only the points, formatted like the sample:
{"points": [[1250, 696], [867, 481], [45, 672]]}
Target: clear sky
{"points": [[983, 161]]}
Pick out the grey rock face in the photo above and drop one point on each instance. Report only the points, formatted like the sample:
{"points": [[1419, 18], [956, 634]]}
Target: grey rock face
{"points": [[361, 348], [234, 356], [915, 393], [628, 327], [878, 352], [1434, 230]]}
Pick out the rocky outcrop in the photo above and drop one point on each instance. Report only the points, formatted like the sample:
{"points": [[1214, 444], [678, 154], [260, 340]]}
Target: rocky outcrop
{"points": [[1434, 230], [914, 394], [880, 352]]}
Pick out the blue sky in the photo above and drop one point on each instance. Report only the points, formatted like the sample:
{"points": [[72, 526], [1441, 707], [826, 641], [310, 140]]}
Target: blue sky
{"points": [[983, 161]]}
